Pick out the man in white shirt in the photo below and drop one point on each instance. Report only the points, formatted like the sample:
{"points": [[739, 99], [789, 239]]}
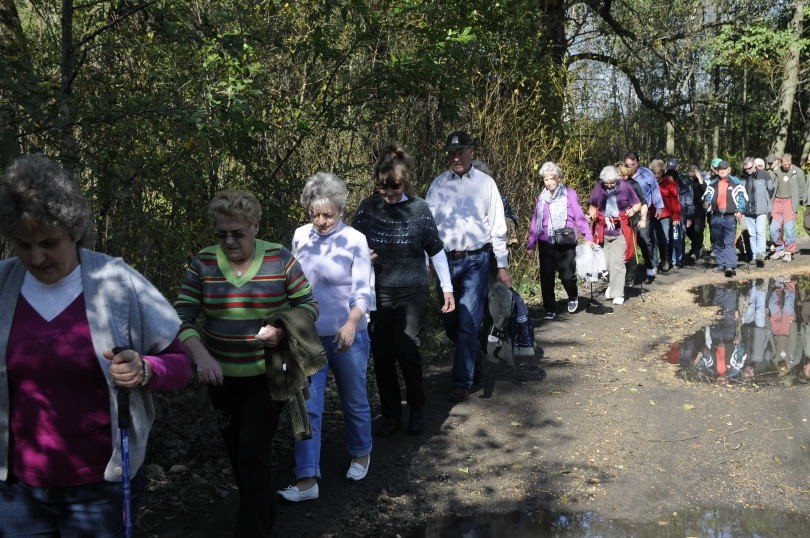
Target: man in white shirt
{"points": [[469, 214]]}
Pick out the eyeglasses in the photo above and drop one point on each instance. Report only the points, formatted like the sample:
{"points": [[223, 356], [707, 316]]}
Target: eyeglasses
{"points": [[609, 183], [222, 235], [392, 187]]}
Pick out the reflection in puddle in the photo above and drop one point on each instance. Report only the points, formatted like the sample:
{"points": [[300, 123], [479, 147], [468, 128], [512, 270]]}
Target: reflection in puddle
{"points": [[761, 337], [719, 523]]}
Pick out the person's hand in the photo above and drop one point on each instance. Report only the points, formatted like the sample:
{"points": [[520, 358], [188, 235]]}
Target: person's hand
{"points": [[504, 276], [449, 302], [208, 370], [589, 244], [126, 367], [629, 212], [688, 223], [270, 336], [373, 255], [738, 215], [345, 336], [642, 224]]}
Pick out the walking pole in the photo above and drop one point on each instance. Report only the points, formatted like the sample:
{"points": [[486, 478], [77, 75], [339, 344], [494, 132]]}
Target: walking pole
{"points": [[124, 423]]}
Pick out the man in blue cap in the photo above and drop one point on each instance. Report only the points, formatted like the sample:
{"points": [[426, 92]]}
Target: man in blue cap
{"points": [[469, 214], [726, 199]]}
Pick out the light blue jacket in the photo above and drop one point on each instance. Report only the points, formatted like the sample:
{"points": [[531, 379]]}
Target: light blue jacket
{"points": [[123, 309]]}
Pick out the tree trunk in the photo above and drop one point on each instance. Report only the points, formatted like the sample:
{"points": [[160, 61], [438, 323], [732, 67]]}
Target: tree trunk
{"points": [[790, 82], [66, 121], [670, 144]]}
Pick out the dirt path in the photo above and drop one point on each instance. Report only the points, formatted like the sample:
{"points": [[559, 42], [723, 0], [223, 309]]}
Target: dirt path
{"points": [[600, 424]]}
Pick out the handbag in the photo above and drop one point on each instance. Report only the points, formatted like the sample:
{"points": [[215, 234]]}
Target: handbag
{"points": [[565, 237]]}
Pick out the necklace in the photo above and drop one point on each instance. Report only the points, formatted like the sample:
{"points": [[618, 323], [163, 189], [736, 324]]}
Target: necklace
{"points": [[239, 268]]}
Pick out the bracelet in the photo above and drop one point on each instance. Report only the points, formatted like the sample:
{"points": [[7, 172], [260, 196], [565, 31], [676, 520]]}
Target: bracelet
{"points": [[147, 372]]}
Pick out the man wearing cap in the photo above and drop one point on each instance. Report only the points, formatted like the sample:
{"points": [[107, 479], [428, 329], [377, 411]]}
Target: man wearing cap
{"points": [[725, 198], [759, 187], [771, 163], [469, 214], [652, 196], [788, 181]]}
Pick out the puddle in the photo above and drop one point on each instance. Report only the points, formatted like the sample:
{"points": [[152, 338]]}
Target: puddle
{"points": [[719, 523], [762, 334]]}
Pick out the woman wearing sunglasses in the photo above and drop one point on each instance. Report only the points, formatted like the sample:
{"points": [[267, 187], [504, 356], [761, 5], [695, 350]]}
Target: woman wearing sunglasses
{"points": [[236, 284], [400, 230]]}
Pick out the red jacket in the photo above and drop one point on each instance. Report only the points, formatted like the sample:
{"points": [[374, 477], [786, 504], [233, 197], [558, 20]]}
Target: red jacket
{"points": [[672, 204]]}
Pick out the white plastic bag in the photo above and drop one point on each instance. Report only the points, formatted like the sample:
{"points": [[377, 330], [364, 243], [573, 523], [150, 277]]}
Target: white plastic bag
{"points": [[591, 263]]}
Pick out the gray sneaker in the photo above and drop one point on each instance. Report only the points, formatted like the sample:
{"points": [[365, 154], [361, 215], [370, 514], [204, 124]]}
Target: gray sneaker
{"points": [[787, 257]]}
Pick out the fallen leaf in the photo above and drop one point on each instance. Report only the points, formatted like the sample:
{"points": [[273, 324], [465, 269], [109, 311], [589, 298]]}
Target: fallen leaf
{"points": [[464, 470], [688, 407]]}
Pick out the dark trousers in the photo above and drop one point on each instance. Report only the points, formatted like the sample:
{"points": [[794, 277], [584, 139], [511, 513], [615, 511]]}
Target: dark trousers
{"points": [[250, 422], [556, 260], [695, 233], [645, 244], [394, 334]]}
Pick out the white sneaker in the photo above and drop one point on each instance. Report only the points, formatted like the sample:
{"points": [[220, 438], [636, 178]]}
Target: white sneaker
{"points": [[787, 257], [778, 254], [573, 305], [357, 472], [295, 495], [618, 300], [607, 294]]}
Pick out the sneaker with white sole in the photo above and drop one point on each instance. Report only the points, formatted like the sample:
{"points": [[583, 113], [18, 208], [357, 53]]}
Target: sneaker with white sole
{"points": [[573, 305], [357, 472], [295, 495], [778, 254], [607, 294], [787, 257], [618, 300]]}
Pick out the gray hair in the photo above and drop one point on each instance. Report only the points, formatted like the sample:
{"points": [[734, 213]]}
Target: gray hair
{"points": [[657, 164], [325, 186], [549, 168], [36, 190], [760, 162], [241, 205], [609, 173]]}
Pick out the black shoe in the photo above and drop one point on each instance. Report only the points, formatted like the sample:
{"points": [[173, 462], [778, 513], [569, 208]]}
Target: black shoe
{"points": [[760, 262], [388, 427], [416, 422], [650, 279], [458, 394], [665, 267], [730, 272]]}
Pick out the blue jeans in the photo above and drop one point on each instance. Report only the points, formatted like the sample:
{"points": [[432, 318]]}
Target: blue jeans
{"points": [[470, 285], [90, 510], [678, 242], [756, 229], [723, 230], [349, 368]]}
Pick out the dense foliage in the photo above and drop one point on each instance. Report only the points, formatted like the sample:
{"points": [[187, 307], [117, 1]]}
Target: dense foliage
{"points": [[157, 104]]}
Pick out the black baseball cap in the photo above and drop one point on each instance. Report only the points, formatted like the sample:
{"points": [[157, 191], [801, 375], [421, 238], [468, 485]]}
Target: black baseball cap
{"points": [[458, 140]]}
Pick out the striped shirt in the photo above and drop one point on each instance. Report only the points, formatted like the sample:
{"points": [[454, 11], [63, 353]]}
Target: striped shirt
{"points": [[235, 307]]}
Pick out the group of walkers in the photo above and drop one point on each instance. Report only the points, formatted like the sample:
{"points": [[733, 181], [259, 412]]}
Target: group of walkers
{"points": [[263, 325]]}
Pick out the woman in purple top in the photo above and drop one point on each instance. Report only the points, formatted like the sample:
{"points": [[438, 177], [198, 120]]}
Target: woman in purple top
{"points": [[557, 207], [64, 310]]}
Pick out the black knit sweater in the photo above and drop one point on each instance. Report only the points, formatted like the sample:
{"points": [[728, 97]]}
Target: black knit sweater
{"points": [[400, 234]]}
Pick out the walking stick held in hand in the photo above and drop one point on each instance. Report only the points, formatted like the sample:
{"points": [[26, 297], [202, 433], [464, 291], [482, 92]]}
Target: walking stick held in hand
{"points": [[124, 423]]}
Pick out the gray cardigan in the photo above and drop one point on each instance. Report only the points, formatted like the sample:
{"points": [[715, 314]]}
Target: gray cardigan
{"points": [[123, 309]]}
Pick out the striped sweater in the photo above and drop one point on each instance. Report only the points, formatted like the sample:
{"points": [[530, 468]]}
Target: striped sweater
{"points": [[235, 307]]}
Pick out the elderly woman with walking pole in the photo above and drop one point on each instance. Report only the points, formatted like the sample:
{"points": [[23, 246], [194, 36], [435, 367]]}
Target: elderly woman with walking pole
{"points": [[75, 326]]}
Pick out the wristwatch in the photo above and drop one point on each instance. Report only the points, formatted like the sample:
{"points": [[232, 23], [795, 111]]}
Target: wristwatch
{"points": [[147, 372]]}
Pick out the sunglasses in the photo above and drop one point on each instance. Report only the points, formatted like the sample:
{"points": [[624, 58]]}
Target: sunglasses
{"points": [[223, 234], [609, 183], [392, 187]]}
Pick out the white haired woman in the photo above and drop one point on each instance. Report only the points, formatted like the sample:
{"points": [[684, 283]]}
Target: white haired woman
{"points": [[613, 202], [556, 210], [337, 262]]}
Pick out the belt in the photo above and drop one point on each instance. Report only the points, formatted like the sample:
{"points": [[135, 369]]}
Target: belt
{"points": [[461, 254]]}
